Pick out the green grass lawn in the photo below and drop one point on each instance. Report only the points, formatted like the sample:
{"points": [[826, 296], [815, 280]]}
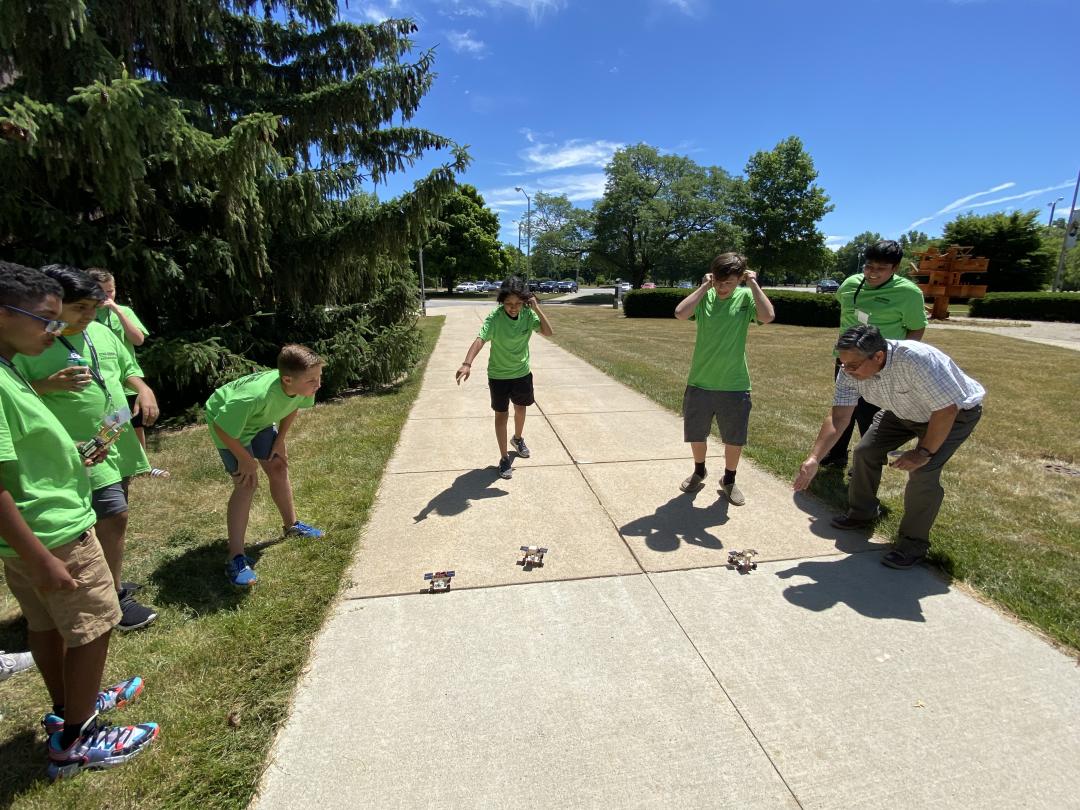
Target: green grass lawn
{"points": [[215, 653], [1008, 526]]}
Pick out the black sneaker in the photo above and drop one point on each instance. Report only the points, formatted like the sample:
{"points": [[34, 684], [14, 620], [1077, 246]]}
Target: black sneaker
{"points": [[846, 522], [519, 445], [505, 468], [134, 615]]}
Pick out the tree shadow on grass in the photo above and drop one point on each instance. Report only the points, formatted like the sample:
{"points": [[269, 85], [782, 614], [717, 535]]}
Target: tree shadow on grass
{"points": [[195, 580], [864, 585], [678, 521], [473, 485], [23, 756]]}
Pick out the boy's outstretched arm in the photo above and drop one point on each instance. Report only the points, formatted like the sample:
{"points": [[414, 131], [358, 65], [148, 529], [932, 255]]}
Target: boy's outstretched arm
{"points": [[466, 367], [764, 307], [280, 448]]}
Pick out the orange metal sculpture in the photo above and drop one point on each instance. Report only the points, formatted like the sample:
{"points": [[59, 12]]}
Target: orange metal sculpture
{"points": [[940, 275]]}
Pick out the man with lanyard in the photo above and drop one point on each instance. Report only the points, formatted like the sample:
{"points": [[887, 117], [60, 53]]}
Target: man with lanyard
{"points": [[81, 379], [879, 297], [923, 395]]}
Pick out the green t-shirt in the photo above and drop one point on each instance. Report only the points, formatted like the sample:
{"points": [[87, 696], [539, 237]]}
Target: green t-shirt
{"points": [[81, 412], [40, 467], [895, 308], [106, 316], [509, 342], [719, 362], [245, 406]]}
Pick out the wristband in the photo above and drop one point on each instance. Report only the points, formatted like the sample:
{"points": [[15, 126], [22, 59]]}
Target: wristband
{"points": [[923, 451], [467, 364]]}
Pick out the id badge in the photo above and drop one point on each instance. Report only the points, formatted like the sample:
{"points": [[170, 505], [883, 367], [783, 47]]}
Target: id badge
{"points": [[864, 317], [121, 416]]}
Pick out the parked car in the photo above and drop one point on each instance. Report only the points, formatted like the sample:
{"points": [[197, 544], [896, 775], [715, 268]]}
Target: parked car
{"points": [[464, 287], [547, 286], [534, 286], [624, 286], [648, 285], [685, 285], [491, 286], [567, 286], [827, 285]]}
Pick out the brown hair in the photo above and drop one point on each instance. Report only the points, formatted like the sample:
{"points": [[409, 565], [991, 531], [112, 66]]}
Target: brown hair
{"points": [[296, 359], [100, 275], [728, 264]]}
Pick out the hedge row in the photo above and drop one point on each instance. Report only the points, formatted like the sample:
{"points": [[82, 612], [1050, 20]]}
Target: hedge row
{"points": [[1045, 306], [796, 308]]}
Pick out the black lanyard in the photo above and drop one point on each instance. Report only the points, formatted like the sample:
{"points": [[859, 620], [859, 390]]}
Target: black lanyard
{"points": [[855, 299], [95, 364], [18, 374]]}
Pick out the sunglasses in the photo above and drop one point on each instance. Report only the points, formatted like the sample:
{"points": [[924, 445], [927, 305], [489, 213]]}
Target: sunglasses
{"points": [[51, 327]]}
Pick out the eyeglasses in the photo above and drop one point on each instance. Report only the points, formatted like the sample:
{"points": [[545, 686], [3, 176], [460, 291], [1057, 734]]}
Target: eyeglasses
{"points": [[51, 327], [855, 366]]}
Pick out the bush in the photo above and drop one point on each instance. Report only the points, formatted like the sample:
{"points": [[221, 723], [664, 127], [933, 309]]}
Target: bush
{"points": [[805, 308], [795, 308], [652, 303], [1046, 306]]}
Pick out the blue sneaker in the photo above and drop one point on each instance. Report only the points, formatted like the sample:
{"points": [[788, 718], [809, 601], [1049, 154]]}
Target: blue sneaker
{"points": [[98, 747], [112, 697], [239, 572], [300, 529]]}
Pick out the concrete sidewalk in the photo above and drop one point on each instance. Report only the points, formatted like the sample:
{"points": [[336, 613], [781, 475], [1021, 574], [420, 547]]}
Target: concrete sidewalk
{"points": [[634, 669]]}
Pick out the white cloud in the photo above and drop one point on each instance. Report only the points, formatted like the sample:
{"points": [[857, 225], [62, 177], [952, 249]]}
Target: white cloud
{"points": [[546, 157], [536, 9], [965, 202], [691, 8], [958, 203], [466, 42], [834, 243]]}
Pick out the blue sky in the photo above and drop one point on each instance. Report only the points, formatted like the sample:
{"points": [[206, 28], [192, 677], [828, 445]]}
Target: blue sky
{"points": [[913, 110]]}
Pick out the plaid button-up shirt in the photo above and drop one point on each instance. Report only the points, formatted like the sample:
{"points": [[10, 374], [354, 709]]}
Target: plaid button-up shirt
{"points": [[915, 381]]}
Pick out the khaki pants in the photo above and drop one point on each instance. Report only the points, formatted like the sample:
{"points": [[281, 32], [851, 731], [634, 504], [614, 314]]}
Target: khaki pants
{"points": [[923, 494]]}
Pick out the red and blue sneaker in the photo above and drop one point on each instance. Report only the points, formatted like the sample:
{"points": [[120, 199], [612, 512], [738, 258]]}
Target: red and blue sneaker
{"points": [[112, 697], [98, 747]]}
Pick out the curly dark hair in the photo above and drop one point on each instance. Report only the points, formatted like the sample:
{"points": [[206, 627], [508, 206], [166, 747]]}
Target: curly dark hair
{"points": [[24, 286], [514, 286]]}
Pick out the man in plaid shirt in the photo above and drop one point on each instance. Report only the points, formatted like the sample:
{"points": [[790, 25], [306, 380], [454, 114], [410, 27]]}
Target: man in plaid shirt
{"points": [[922, 394]]}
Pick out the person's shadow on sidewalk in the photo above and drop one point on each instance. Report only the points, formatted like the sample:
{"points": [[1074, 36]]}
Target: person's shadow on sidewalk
{"points": [[863, 584], [679, 521], [474, 485]]}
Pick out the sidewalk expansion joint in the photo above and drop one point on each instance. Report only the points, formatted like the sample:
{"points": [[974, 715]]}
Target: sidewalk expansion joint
{"points": [[492, 586]]}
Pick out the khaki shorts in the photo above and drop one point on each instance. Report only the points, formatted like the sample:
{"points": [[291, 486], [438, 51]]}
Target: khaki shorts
{"points": [[80, 616]]}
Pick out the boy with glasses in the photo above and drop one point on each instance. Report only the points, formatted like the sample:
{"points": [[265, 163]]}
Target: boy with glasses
{"points": [[719, 383], [53, 563], [81, 378], [892, 303]]}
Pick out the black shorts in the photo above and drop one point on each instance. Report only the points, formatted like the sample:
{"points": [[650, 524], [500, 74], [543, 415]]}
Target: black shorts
{"points": [[503, 392], [136, 420]]}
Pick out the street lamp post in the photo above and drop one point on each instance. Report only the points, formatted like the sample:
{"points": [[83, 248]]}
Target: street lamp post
{"points": [[1065, 241], [1053, 205], [528, 231]]}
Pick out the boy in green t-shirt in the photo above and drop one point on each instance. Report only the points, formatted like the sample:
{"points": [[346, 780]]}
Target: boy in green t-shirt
{"points": [[81, 379], [53, 563], [719, 382], [248, 420], [131, 331], [878, 297], [510, 379]]}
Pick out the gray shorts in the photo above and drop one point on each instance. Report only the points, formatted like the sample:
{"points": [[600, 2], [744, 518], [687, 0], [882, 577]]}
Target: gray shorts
{"points": [[731, 409], [111, 500]]}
